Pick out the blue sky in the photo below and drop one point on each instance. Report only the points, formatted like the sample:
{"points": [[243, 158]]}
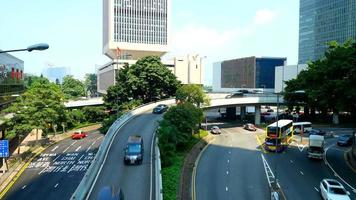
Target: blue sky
{"points": [[219, 30]]}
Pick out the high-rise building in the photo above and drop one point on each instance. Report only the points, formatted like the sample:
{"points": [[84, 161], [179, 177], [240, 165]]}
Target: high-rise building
{"points": [[134, 29], [53, 73], [322, 21], [250, 72]]}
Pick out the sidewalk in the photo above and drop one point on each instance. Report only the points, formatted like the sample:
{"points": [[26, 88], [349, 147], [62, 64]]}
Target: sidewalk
{"points": [[29, 150]]}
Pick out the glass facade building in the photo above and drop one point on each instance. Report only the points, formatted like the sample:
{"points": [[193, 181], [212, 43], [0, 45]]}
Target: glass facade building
{"points": [[250, 72], [11, 78], [322, 21]]}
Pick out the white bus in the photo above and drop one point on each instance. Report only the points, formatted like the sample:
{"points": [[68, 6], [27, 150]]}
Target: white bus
{"points": [[298, 126]]}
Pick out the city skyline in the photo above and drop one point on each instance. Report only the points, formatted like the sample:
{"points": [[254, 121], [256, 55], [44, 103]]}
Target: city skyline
{"points": [[75, 39]]}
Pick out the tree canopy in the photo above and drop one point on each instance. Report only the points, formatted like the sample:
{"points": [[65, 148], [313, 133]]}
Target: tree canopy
{"points": [[193, 94], [328, 82], [72, 88], [90, 84], [40, 107], [147, 80]]}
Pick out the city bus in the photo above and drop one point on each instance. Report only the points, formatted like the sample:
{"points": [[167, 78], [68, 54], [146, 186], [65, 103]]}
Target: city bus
{"points": [[277, 139], [299, 126]]}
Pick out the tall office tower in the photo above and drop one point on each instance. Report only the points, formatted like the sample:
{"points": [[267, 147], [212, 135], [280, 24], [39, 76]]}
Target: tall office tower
{"points": [[133, 29], [322, 21]]}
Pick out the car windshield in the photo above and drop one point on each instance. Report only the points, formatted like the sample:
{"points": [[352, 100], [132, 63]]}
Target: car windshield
{"points": [[134, 148], [337, 190]]}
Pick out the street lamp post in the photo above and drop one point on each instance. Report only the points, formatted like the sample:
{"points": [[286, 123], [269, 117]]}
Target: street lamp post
{"points": [[37, 47]]}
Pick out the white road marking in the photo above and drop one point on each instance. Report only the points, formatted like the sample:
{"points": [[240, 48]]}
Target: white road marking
{"points": [[301, 173], [291, 161], [327, 163], [56, 185], [226, 188], [229, 152], [90, 146], [228, 161], [56, 158], [23, 187], [78, 148], [316, 189], [69, 146], [227, 172], [81, 157], [55, 148]]}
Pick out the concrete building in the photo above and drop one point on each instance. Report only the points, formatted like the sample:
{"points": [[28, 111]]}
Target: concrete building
{"points": [[249, 72], [286, 73], [188, 69], [322, 21], [138, 28], [53, 73]]}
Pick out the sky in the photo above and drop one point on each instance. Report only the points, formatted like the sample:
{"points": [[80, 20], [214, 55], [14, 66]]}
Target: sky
{"points": [[219, 30]]}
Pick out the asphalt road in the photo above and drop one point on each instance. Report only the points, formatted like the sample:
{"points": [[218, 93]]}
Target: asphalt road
{"points": [[57, 172], [231, 167], [300, 176], [134, 180]]}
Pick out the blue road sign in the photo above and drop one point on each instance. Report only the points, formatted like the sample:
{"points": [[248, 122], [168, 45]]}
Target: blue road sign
{"points": [[4, 148]]}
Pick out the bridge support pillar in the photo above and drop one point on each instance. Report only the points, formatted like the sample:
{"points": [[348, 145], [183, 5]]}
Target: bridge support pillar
{"points": [[242, 112], [231, 112], [258, 115]]}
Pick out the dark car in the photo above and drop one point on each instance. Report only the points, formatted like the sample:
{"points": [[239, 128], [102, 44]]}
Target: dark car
{"points": [[234, 95], [316, 132], [215, 130], [250, 127], [134, 150], [110, 193], [344, 140], [161, 108]]}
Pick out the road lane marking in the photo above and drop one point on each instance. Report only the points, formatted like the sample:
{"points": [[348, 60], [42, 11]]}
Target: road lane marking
{"points": [[291, 161], [81, 157], [229, 152], [56, 185], [78, 148], [301, 173], [228, 161], [327, 163], [55, 148], [227, 172], [226, 188], [316, 189], [69, 146], [91, 146], [260, 143], [56, 158], [23, 187]]}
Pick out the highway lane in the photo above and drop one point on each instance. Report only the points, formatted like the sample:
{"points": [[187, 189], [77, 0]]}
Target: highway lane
{"points": [[300, 176], [231, 167], [133, 180], [57, 172]]}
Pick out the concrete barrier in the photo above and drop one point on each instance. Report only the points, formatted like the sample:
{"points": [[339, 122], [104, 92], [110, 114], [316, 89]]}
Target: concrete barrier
{"points": [[88, 182]]}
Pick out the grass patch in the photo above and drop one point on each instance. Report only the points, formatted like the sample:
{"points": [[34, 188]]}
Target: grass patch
{"points": [[171, 174], [170, 177]]}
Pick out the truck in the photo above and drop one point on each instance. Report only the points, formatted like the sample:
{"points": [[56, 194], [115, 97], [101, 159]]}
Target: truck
{"points": [[316, 146]]}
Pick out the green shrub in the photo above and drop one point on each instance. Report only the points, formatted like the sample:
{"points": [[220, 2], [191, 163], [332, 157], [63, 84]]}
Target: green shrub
{"points": [[106, 123]]}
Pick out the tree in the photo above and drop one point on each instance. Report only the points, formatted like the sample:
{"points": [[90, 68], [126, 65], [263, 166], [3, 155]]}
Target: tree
{"points": [[72, 88], [29, 79], [193, 94], [94, 113], [146, 80], [90, 83], [327, 81], [39, 107]]}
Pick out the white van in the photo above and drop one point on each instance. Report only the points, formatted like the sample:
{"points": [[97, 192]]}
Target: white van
{"points": [[297, 126]]}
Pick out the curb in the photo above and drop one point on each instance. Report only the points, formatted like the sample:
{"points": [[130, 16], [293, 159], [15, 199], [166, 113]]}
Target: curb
{"points": [[348, 161], [18, 174], [14, 178], [193, 193]]}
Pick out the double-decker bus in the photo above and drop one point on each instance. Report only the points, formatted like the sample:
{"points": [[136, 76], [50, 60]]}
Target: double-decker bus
{"points": [[279, 135]]}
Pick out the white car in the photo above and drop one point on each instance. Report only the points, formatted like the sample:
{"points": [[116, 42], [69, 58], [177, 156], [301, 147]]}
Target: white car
{"points": [[331, 189]]}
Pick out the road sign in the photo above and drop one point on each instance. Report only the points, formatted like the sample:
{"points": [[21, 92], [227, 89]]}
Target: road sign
{"points": [[4, 148]]}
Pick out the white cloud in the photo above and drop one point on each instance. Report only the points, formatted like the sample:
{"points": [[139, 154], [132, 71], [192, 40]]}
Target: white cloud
{"points": [[264, 16]]}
